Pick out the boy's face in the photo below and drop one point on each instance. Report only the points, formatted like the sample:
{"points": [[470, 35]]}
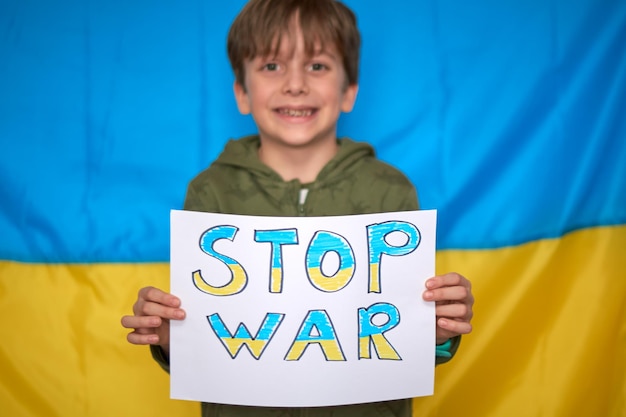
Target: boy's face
{"points": [[296, 99]]}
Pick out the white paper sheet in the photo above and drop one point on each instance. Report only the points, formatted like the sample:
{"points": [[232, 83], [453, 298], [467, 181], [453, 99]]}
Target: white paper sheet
{"points": [[304, 322]]}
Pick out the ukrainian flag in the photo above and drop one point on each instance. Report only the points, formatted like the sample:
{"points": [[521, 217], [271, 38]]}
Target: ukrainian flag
{"points": [[509, 116]]}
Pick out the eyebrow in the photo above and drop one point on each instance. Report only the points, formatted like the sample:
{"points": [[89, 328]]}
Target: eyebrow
{"points": [[321, 52]]}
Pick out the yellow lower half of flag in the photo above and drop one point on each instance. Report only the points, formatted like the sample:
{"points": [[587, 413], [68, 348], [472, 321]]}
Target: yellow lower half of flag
{"points": [[549, 336]]}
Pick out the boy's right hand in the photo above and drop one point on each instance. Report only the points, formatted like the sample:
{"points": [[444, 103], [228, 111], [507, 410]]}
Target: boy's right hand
{"points": [[151, 317]]}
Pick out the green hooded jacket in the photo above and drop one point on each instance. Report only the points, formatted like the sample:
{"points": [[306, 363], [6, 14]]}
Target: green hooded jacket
{"points": [[353, 182]]}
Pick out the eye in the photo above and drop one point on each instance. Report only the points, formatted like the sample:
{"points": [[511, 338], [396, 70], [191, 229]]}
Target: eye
{"points": [[318, 66], [270, 66]]}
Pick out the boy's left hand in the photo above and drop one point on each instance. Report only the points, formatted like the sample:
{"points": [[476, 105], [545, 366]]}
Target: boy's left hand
{"points": [[452, 294]]}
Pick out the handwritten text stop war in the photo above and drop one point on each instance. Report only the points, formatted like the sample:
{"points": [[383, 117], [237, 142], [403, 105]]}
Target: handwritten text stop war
{"points": [[317, 327]]}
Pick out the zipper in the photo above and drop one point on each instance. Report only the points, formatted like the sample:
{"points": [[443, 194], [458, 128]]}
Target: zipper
{"points": [[302, 195]]}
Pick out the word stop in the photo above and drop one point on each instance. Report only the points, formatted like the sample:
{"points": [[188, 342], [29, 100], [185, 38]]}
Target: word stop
{"points": [[322, 243]]}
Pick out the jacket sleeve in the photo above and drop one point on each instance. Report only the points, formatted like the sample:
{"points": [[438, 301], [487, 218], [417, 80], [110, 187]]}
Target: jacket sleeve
{"points": [[455, 342], [411, 202], [159, 356], [200, 196]]}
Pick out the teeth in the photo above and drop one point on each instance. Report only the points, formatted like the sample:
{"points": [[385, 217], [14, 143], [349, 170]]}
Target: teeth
{"points": [[296, 113]]}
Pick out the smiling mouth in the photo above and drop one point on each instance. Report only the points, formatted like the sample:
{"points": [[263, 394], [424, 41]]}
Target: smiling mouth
{"points": [[296, 112]]}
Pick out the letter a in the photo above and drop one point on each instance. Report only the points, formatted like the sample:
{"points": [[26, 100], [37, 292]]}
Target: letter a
{"points": [[316, 328]]}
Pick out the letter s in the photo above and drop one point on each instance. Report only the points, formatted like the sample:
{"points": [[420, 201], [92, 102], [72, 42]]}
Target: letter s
{"points": [[238, 278]]}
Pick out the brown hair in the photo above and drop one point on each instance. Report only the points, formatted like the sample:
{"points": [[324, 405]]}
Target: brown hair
{"points": [[258, 29]]}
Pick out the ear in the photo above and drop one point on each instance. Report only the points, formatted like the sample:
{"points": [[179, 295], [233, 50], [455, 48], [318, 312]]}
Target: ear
{"points": [[349, 98], [241, 96]]}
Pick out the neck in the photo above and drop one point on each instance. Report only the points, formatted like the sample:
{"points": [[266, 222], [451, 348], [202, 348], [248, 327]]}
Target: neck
{"points": [[298, 163]]}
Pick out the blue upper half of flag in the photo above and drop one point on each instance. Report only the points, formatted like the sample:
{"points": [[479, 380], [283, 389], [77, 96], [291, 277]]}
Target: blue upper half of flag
{"points": [[510, 118]]}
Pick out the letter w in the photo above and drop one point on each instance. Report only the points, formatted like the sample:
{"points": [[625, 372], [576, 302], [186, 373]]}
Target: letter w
{"points": [[256, 345]]}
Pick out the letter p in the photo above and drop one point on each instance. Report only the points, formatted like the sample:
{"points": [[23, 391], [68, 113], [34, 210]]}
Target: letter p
{"points": [[378, 246]]}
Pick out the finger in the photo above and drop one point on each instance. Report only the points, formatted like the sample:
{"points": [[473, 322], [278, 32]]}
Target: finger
{"points": [[454, 327], [447, 280], [453, 311], [141, 322], [155, 295], [159, 310], [142, 339], [152, 301], [456, 293]]}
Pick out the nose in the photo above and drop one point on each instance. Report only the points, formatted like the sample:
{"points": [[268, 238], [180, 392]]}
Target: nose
{"points": [[295, 81]]}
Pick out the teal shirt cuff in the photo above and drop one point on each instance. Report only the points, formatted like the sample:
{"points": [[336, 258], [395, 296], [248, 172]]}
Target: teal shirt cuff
{"points": [[443, 350]]}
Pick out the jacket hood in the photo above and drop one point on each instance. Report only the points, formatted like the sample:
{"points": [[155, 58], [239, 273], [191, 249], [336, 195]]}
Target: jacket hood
{"points": [[242, 153]]}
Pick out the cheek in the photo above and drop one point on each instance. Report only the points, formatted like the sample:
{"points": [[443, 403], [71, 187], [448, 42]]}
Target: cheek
{"points": [[331, 94], [335, 91], [260, 94]]}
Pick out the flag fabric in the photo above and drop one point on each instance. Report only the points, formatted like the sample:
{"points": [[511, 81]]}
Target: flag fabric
{"points": [[509, 117]]}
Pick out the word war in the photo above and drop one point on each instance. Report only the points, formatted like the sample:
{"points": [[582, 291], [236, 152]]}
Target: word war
{"points": [[316, 328]]}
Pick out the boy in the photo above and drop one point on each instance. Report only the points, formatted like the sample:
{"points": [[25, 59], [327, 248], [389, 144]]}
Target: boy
{"points": [[296, 67]]}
